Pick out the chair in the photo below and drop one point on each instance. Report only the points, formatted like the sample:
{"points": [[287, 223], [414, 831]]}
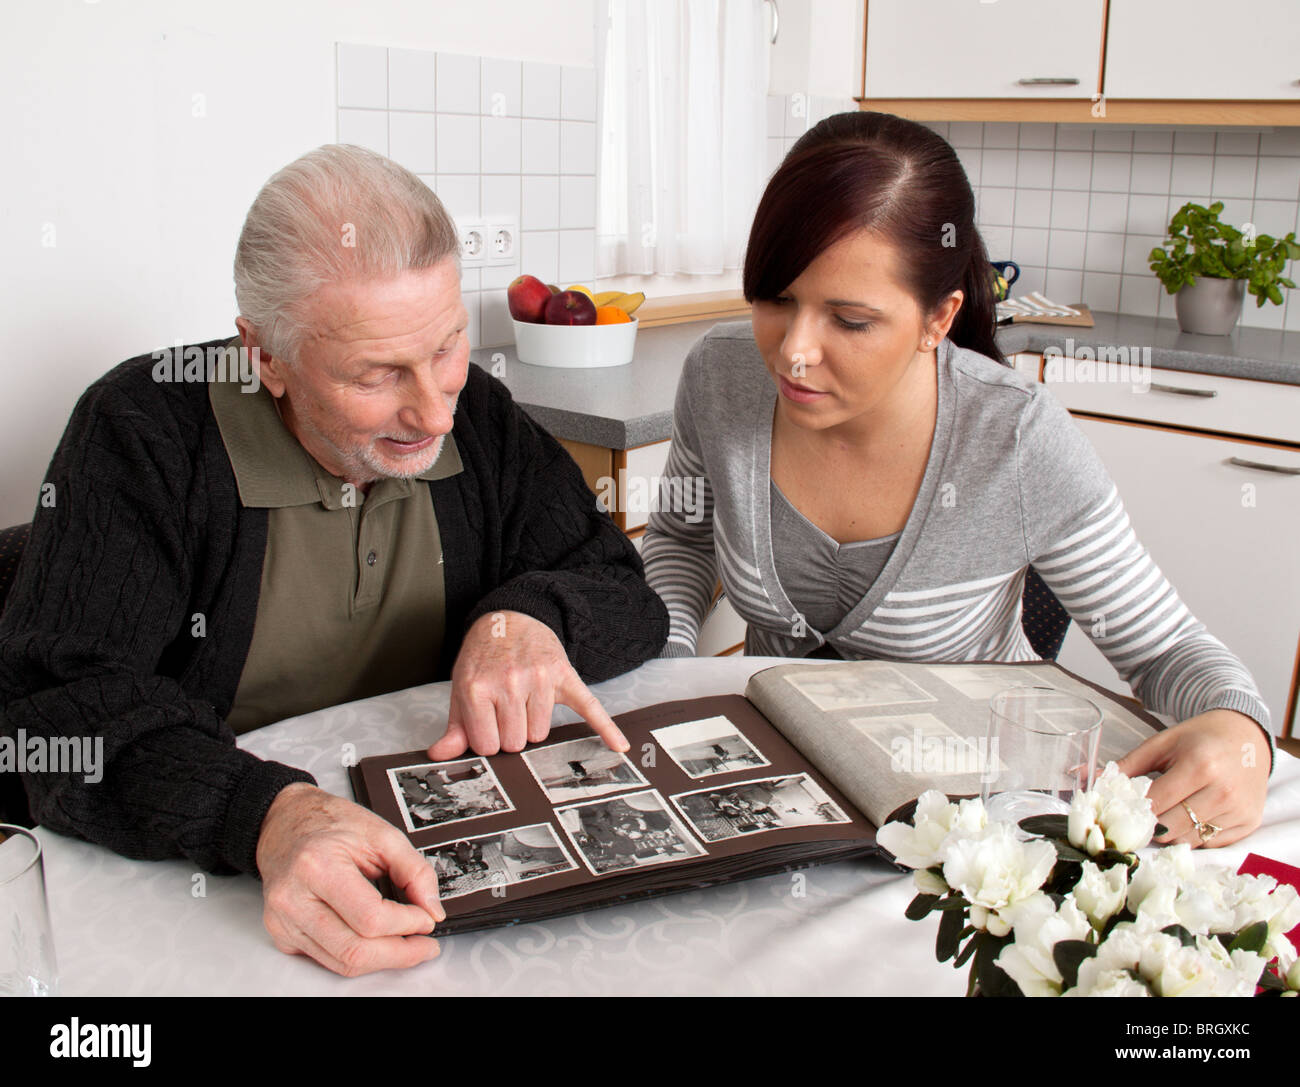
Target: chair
{"points": [[13, 799], [1042, 617], [12, 542]]}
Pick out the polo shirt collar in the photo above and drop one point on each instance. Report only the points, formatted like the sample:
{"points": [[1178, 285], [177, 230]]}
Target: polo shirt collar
{"points": [[272, 469]]}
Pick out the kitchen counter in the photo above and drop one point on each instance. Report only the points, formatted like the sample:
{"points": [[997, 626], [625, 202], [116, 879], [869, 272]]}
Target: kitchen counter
{"points": [[621, 407]]}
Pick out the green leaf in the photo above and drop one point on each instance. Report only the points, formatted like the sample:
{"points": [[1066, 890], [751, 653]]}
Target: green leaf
{"points": [[1251, 938], [966, 952], [953, 902], [1068, 955], [1184, 937], [945, 943], [1066, 852], [1269, 980], [993, 980], [920, 907], [1049, 826]]}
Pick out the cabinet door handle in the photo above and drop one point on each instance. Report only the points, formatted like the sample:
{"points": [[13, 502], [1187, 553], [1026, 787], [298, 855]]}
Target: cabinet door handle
{"points": [[1158, 387], [1281, 469], [1049, 81]]}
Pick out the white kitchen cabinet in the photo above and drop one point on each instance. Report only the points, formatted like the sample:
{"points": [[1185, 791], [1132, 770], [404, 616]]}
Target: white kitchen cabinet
{"points": [[1203, 49], [1224, 533], [1016, 49]]}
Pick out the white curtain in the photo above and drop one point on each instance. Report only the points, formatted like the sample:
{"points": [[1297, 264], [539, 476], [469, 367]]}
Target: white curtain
{"points": [[682, 134]]}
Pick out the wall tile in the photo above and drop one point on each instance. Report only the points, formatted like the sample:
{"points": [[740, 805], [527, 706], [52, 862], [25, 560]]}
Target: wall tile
{"points": [[459, 195], [362, 76], [541, 147], [578, 94], [458, 83], [365, 128], [577, 256], [577, 147], [412, 80], [578, 203], [995, 207], [412, 140], [1234, 175], [539, 254], [1150, 173], [458, 144], [541, 90], [501, 145], [540, 200], [501, 197], [500, 83]]}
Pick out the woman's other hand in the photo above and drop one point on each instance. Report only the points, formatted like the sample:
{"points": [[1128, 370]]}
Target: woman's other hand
{"points": [[1215, 764]]}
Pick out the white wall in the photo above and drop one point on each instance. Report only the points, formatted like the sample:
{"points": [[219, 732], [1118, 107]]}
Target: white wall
{"points": [[138, 132]]}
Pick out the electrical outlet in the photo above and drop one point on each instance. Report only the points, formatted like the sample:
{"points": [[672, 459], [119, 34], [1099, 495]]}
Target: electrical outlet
{"points": [[502, 242], [473, 244]]}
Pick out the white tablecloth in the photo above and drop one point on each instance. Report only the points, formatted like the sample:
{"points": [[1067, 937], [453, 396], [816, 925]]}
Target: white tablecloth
{"points": [[126, 927]]}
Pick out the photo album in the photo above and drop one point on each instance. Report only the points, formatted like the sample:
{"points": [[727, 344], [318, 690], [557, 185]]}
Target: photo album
{"points": [[800, 771]]}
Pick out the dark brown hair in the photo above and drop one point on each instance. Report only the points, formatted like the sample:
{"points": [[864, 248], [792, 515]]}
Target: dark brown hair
{"points": [[897, 178]]}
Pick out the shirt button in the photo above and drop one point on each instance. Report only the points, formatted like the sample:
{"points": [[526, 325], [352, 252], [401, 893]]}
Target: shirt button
{"points": [[371, 559]]}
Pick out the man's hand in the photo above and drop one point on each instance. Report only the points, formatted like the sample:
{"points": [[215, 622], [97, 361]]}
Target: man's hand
{"points": [[317, 853], [510, 673], [1216, 762]]}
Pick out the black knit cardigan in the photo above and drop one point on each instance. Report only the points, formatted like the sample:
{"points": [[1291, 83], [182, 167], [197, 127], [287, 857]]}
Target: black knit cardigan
{"points": [[146, 533]]}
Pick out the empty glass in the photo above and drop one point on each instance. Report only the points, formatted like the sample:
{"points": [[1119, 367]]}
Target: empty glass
{"points": [[27, 966]]}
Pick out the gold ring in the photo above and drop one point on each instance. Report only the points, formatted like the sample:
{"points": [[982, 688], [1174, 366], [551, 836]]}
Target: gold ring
{"points": [[1206, 831]]}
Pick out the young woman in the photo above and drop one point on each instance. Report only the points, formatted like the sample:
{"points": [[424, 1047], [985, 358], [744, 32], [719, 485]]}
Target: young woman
{"points": [[878, 480]]}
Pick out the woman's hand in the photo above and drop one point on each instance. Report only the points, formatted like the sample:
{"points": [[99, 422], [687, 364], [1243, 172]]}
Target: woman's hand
{"points": [[1218, 764]]}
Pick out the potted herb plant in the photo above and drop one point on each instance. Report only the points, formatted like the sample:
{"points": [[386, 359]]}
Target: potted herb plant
{"points": [[1206, 264]]}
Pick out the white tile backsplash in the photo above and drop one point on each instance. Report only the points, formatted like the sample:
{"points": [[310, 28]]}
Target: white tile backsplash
{"points": [[487, 135], [412, 141], [541, 90], [578, 203], [458, 83], [412, 80], [501, 145], [458, 144], [577, 147], [540, 203], [365, 128], [541, 146], [578, 94], [362, 76], [501, 82]]}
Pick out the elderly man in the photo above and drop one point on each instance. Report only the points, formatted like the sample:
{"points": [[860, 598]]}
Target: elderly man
{"points": [[370, 513]]}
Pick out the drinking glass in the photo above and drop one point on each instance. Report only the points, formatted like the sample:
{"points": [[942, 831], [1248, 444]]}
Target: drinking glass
{"points": [[27, 965], [1042, 746]]}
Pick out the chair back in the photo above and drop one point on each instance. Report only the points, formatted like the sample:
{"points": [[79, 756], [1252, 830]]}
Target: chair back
{"points": [[1042, 617]]}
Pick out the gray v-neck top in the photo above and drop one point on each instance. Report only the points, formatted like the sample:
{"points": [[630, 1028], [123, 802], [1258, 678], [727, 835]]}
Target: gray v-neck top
{"points": [[823, 579]]}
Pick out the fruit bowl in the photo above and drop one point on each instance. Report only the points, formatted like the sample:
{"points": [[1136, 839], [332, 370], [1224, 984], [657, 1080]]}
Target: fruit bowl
{"points": [[575, 346]]}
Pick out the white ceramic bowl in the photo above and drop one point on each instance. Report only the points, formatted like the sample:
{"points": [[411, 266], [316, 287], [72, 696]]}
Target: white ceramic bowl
{"points": [[576, 346]]}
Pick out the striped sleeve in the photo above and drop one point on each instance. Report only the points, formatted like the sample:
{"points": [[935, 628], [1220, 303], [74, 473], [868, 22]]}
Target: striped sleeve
{"points": [[1080, 541], [678, 548]]}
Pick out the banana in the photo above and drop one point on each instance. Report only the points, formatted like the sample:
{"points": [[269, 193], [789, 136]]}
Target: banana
{"points": [[628, 303], [606, 297]]}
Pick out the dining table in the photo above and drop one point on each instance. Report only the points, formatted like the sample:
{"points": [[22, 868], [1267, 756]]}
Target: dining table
{"points": [[125, 927]]}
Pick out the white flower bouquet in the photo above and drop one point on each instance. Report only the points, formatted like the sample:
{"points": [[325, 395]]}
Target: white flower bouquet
{"points": [[1073, 910]]}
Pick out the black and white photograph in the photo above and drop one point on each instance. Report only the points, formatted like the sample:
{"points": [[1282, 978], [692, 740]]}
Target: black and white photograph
{"points": [[581, 769], [920, 743], [622, 832], [750, 807], [498, 860], [434, 793], [712, 745], [981, 682], [854, 688]]}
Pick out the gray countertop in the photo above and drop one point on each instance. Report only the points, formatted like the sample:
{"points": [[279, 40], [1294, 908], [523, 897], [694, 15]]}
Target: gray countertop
{"points": [[625, 406]]}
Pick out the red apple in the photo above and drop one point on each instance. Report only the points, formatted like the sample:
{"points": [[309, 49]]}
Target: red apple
{"points": [[570, 308], [527, 297]]}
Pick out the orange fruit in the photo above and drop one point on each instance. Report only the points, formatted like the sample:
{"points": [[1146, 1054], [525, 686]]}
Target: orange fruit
{"points": [[611, 315]]}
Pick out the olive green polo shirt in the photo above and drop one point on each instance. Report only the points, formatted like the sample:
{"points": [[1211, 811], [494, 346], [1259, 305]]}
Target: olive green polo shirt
{"points": [[351, 601]]}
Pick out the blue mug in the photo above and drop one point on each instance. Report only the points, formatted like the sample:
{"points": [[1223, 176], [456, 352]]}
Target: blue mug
{"points": [[1008, 270]]}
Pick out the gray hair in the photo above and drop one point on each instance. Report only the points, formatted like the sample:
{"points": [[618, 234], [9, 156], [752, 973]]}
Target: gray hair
{"points": [[337, 213]]}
